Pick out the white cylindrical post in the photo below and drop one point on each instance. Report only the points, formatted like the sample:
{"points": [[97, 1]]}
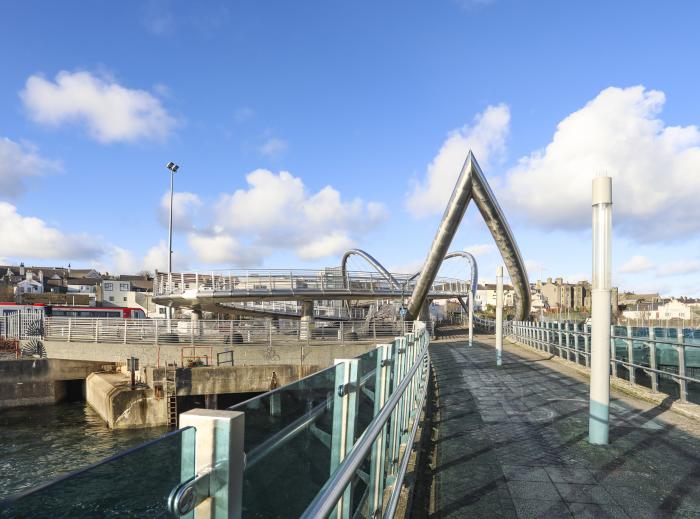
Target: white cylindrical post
{"points": [[598, 424], [471, 317], [499, 315]]}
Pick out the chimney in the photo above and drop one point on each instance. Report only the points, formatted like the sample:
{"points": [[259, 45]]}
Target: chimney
{"points": [[21, 269], [41, 276]]}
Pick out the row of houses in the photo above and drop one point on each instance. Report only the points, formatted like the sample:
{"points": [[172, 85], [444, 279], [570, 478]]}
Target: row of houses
{"points": [[77, 287]]}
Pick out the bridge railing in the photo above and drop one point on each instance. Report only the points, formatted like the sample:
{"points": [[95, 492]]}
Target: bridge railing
{"points": [[216, 332], [662, 359], [271, 282], [338, 440]]}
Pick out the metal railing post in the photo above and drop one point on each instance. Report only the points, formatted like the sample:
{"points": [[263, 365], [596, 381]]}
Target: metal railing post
{"points": [[125, 325], [399, 349], [586, 345], [70, 321], [613, 352], [345, 405], [630, 354], [682, 382], [575, 336], [652, 360], [499, 315], [561, 339], [382, 390]]}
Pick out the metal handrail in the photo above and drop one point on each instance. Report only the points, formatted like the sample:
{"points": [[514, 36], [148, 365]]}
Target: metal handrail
{"points": [[325, 501]]}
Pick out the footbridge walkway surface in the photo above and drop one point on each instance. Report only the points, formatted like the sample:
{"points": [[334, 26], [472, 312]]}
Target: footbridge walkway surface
{"points": [[512, 442]]}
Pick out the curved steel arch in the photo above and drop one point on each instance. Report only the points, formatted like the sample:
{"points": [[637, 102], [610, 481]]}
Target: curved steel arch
{"points": [[472, 184], [372, 261], [472, 263]]}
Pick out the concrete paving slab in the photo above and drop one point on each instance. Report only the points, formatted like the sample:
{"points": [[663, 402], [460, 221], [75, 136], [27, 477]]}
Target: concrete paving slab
{"points": [[512, 441]]}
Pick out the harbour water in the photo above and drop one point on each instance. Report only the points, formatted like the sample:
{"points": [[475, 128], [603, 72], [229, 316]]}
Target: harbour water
{"points": [[39, 443]]}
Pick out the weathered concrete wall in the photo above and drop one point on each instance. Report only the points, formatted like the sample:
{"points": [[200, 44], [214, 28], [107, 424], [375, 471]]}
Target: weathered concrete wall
{"points": [[111, 396], [40, 381], [230, 379], [312, 354]]}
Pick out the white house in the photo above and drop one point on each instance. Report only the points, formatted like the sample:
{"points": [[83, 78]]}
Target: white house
{"points": [[83, 286], [486, 295]]}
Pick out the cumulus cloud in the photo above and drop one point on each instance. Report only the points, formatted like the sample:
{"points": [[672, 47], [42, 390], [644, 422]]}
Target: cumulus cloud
{"points": [[19, 162], [273, 147], [276, 211], [110, 111], [480, 249], [29, 237], [656, 185], [223, 248], [680, 267], [185, 206], [637, 264], [486, 137], [156, 258]]}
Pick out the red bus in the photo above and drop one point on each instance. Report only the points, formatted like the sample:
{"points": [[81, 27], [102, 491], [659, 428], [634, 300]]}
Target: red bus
{"points": [[72, 311]]}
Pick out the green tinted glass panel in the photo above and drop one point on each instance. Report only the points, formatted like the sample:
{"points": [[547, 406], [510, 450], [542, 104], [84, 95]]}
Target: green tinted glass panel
{"points": [[135, 483]]}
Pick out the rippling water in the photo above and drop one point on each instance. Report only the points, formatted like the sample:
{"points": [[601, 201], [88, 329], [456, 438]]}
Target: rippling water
{"points": [[39, 443]]}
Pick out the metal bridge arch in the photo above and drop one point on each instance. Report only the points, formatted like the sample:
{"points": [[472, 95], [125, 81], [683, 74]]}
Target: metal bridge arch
{"points": [[372, 261], [474, 270], [472, 184]]}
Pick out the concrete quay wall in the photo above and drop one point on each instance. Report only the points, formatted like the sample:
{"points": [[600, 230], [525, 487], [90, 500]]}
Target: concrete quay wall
{"points": [[111, 396], [301, 353], [41, 381]]}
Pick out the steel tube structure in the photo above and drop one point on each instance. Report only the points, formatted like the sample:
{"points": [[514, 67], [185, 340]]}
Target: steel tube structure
{"points": [[598, 424], [472, 184]]}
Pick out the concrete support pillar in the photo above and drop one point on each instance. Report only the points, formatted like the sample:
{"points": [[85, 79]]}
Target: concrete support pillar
{"points": [[598, 424], [499, 315], [307, 320], [210, 401], [196, 325]]}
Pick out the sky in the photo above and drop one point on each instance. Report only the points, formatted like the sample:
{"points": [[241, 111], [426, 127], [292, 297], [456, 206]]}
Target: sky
{"points": [[303, 129]]}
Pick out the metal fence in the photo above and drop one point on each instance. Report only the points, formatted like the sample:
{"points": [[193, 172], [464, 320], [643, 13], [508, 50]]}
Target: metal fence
{"points": [[216, 332], [666, 360], [22, 325]]}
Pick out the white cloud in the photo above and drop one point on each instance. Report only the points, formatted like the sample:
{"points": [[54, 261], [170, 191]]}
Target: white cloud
{"points": [[123, 261], [326, 245], [656, 185], [28, 237], [185, 206], [480, 249], [110, 111], [19, 162], [277, 212], [680, 267], [486, 138], [223, 248], [637, 264], [156, 258], [273, 147]]}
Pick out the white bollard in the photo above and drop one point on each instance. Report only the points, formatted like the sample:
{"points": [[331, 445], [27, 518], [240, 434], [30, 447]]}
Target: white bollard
{"points": [[499, 315], [598, 423], [470, 306]]}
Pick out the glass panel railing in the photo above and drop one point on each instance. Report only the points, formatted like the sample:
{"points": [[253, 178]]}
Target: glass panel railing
{"points": [[288, 446], [135, 483]]}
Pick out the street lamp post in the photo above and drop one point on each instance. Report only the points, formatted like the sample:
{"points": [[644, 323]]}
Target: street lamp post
{"points": [[598, 424], [173, 169]]}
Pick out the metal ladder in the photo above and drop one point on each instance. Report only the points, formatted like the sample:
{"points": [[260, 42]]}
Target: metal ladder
{"points": [[171, 394]]}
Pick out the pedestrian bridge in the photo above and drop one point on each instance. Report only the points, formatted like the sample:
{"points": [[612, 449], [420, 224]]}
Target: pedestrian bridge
{"points": [[412, 429], [207, 290]]}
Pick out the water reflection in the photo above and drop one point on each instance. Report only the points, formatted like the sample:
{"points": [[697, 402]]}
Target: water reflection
{"points": [[39, 443]]}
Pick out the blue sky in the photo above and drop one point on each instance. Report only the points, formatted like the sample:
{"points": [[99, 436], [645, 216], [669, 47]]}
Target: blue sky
{"points": [[266, 104]]}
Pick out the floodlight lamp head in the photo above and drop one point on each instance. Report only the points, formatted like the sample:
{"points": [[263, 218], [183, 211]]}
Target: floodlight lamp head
{"points": [[172, 167]]}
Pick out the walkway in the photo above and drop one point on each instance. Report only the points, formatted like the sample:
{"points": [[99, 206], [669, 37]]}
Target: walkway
{"points": [[511, 442]]}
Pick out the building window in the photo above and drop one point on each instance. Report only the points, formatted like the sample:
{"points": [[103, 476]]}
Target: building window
{"points": [[111, 298], [109, 286], [124, 286], [125, 299], [161, 310]]}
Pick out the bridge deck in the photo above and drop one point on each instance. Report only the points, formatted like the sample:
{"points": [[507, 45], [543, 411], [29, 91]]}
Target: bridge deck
{"points": [[512, 442]]}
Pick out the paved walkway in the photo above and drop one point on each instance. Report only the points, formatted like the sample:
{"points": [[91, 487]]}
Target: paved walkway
{"points": [[512, 442]]}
